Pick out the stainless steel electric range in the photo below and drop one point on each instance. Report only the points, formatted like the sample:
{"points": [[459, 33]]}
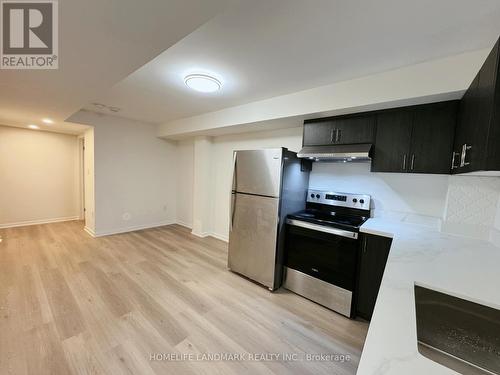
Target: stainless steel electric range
{"points": [[321, 248]]}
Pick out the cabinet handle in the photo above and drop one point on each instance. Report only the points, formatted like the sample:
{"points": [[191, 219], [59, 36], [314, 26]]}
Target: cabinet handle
{"points": [[335, 138], [412, 161], [404, 162], [453, 166], [465, 148]]}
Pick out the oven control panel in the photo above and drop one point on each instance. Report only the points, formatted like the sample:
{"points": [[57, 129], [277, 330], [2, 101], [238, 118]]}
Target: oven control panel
{"points": [[359, 201]]}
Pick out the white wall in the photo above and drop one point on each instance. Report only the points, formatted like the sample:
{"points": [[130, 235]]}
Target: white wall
{"points": [[135, 174], [220, 161], [222, 164], [418, 198], [185, 155], [139, 174], [89, 195], [420, 194], [202, 186], [39, 177], [392, 193]]}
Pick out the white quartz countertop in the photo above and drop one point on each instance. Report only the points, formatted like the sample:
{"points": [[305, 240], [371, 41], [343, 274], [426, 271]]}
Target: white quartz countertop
{"points": [[461, 266]]}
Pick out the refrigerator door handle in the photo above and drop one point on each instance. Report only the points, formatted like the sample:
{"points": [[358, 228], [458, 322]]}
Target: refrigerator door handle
{"points": [[233, 195], [233, 206]]}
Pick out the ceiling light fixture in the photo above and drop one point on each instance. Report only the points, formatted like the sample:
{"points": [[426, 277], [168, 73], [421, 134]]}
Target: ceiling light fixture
{"points": [[47, 121], [33, 127], [202, 83], [99, 105], [104, 107]]}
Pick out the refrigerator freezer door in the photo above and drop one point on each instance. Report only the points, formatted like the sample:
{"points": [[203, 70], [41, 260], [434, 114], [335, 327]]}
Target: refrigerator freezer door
{"points": [[252, 239], [258, 172]]}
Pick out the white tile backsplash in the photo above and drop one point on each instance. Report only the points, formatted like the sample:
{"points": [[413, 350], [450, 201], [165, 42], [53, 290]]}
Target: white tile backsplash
{"points": [[471, 207], [497, 217], [463, 205], [472, 199], [393, 194], [495, 232]]}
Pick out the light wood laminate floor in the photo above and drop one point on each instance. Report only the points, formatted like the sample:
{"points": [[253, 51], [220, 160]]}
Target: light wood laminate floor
{"points": [[72, 304]]}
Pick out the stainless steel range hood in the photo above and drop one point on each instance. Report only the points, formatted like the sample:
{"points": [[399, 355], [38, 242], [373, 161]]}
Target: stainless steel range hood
{"points": [[338, 153]]}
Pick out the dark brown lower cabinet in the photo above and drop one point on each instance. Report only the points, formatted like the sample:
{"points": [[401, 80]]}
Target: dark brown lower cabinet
{"points": [[372, 260]]}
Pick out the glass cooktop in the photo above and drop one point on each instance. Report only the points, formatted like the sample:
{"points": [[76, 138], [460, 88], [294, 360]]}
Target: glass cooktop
{"points": [[330, 218]]}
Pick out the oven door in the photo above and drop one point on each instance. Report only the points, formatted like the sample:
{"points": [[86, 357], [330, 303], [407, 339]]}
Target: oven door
{"points": [[321, 264]]}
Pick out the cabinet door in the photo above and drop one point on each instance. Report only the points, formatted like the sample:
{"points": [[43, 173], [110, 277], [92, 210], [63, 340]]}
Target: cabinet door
{"points": [[467, 118], [432, 138], [340, 130], [488, 133], [318, 133], [476, 111], [373, 258], [356, 129], [392, 141]]}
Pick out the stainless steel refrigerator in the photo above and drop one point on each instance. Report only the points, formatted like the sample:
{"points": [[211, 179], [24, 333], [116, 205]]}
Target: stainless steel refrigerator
{"points": [[268, 184]]}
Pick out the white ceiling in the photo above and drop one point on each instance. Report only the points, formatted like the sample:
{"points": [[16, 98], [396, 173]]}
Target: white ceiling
{"points": [[100, 43], [263, 48]]}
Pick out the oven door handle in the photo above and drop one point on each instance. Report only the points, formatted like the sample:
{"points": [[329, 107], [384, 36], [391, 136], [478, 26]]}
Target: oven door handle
{"points": [[322, 228]]}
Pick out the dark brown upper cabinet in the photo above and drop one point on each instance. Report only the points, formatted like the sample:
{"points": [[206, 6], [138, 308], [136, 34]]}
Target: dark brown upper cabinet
{"points": [[415, 139], [477, 139], [432, 138], [392, 142], [339, 130]]}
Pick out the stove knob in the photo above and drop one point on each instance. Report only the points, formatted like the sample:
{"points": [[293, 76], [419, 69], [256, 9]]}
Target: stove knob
{"points": [[361, 201], [317, 196], [354, 200], [312, 195]]}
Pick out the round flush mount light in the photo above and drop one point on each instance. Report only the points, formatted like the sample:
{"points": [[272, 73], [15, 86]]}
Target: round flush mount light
{"points": [[33, 127], [99, 105], [202, 83]]}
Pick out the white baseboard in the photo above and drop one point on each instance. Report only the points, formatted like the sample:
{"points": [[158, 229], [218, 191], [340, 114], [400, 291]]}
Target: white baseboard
{"points": [[184, 224], [211, 234], [201, 235], [220, 237], [38, 222], [109, 232], [160, 224], [89, 231]]}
